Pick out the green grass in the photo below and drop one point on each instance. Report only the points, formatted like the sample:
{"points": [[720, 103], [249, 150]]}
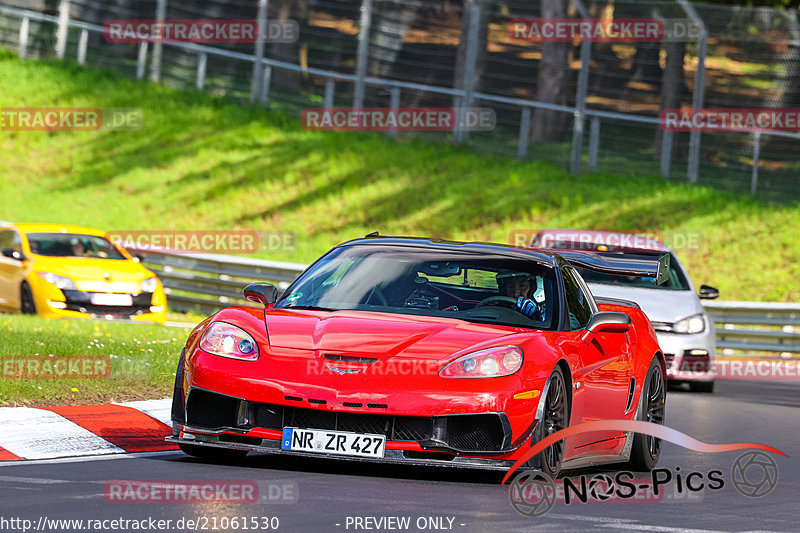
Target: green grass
{"points": [[202, 162], [142, 359]]}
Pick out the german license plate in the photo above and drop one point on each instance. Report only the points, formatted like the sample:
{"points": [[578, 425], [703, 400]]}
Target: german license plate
{"points": [[333, 442], [102, 298]]}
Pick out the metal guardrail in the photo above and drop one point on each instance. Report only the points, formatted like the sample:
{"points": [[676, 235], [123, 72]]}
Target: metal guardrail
{"points": [[756, 326], [208, 282]]}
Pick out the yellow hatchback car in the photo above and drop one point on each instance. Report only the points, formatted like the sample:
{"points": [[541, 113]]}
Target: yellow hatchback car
{"points": [[72, 271]]}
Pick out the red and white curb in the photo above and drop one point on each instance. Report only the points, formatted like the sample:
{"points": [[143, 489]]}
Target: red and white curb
{"points": [[69, 431]]}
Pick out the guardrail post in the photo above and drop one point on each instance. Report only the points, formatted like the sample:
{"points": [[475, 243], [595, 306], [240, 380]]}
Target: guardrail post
{"points": [[362, 55], [258, 64], [394, 104], [141, 60], [266, 80], [202, 60], [470, 62], [756, 158], [63, 29], [699, 87], [158, 46], [83, 42], [594, 142], [524, 132], [330, 89], [24, 30]]}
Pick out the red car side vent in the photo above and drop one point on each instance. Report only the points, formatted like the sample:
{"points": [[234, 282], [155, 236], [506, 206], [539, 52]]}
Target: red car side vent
{"points": [[293, 398], [321, 402], [377, 405], [352, 404]]}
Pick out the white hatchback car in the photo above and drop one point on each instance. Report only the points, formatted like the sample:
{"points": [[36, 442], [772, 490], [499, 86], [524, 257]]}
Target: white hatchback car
{"points": [[685, 331]]}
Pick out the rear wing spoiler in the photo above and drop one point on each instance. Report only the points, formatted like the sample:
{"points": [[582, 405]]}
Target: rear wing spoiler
{"points": [[644, 265]]}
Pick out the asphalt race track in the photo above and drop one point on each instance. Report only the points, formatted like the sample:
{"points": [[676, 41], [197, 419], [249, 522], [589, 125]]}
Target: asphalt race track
{"points": [[338, 496]]}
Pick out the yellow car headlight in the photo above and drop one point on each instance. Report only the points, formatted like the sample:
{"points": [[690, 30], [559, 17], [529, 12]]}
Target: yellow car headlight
{"points": [[62, 282]]}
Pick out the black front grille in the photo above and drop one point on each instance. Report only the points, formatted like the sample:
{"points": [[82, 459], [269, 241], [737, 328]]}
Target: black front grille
{"points": [[81, 301], [117, 310], [210, 410], [483, 432], [409, 428], [412, 428], [475, 432], [309, 418]]}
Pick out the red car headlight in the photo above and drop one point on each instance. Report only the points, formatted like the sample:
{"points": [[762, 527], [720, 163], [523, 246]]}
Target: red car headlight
{"points": [[489, 363], [227, 340]]}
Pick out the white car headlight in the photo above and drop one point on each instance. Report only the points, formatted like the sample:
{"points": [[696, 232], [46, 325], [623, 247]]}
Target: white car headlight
{"points": [[62, 282], [690, 324], [488, 363], [227, 340], [149, 285]]}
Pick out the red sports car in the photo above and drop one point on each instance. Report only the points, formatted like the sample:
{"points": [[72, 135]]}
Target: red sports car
{"points": [[413, 351]]}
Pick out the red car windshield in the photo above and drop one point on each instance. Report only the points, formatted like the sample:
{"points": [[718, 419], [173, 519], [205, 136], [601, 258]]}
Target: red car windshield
{"points": [[476, 287]]}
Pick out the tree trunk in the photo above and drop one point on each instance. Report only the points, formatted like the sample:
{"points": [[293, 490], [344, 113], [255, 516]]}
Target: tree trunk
{"points": [[672, 86], [551, 85]]}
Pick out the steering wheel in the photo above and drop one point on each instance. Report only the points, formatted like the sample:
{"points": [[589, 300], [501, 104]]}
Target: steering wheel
{"points": [[378, 293], [505, 301]]}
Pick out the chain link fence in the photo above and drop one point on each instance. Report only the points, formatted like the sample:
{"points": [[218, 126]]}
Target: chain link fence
{"points": [[584, 105]]}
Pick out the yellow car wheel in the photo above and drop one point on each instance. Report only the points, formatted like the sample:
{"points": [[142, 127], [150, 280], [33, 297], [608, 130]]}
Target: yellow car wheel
{"points": [[26, 303]]}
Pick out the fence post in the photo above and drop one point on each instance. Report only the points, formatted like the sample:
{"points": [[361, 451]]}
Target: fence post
{"points": [[202, 60], [24, 30], [756, 158], [362, 54], [394, 104], [524, 132], [699, 87], [666, 153], [580, 97], [141, 60], [155, 61], [258, 64], [266, 79], [470, 64], [594, 142], [63, 29], [330, 90], [83, 42]]}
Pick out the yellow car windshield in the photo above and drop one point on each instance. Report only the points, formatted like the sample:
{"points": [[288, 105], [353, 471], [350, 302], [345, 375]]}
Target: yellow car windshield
{"points": [[72, 245]]}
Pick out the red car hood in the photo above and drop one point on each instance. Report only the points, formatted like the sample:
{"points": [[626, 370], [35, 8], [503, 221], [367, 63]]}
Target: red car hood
{"points": [[387, 334]]}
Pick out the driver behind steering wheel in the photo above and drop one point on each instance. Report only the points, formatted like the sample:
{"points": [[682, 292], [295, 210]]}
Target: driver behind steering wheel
{"points": [[518, 285]]}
